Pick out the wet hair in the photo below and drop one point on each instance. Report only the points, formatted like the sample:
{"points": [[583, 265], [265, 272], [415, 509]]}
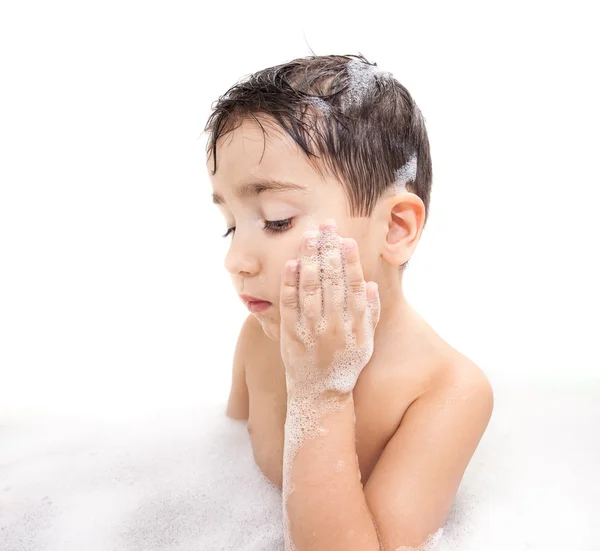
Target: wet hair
{"points": [[352, 120]]}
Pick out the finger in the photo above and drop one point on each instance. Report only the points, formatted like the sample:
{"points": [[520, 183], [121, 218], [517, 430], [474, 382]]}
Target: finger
{"points": [[288, 301], [332, 268], [334, 288], [357, 287], [309, 293], [329, 237], [329, 225]]}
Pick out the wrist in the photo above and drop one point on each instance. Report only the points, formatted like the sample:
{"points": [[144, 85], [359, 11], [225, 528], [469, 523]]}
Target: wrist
{"points": [[309, 392]]}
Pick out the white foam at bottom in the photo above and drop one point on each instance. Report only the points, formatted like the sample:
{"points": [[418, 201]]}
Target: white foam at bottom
{"points": [[189, 482]]}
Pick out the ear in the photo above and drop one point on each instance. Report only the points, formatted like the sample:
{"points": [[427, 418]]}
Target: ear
{"points": [[404, 214]]}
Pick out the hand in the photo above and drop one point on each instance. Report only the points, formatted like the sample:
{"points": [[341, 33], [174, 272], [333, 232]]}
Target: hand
{"points": [[328, 314]]}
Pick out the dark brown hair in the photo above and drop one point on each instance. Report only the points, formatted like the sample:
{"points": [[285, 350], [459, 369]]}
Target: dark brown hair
{"points": [[352, 120]]}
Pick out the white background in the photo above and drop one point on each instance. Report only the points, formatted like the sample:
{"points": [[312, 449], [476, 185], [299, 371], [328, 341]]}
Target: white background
{"points": [[113, 295]]}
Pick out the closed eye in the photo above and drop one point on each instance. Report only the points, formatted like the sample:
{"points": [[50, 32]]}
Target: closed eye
{"points": [[271, 226], [277, 226]]}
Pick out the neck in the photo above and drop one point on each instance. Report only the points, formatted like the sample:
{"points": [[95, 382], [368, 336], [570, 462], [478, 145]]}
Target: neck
{"points": [[397, 315]]}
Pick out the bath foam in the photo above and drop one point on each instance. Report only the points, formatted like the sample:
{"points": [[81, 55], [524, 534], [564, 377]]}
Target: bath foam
{"points": [[362, 77], [305, 409], [187, 479], [406, 173], [320, 103], [429, 545]]}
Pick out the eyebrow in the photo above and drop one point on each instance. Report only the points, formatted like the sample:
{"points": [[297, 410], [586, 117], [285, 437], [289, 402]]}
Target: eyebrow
{"points": [[255, 187]]}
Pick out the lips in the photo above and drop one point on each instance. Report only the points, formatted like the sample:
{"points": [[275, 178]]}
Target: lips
{"points": [[250, 298], [255, 304]]}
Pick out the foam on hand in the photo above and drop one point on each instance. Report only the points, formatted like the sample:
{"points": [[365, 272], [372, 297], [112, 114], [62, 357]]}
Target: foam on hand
{"points": [[305, 409]]}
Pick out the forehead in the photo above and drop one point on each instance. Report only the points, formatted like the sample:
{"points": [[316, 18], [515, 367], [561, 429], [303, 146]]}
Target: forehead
{"points": [[247, 153]]}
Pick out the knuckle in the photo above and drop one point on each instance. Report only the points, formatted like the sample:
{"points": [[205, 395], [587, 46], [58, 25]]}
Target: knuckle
{"points": [[288, 300], [357, 285], [311, 287]]}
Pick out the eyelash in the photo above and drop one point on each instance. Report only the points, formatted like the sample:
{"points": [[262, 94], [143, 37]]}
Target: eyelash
{"points": [[271, 226]]}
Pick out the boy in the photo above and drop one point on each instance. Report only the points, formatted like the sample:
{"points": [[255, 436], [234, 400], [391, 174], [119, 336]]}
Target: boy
{"points": [[367, 423]]}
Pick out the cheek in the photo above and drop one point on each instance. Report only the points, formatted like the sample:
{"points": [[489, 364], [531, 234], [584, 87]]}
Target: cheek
{"points": [[367, 258]]}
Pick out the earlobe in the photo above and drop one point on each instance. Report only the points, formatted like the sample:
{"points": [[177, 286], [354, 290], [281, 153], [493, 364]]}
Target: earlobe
{"points": [[405, 222]]}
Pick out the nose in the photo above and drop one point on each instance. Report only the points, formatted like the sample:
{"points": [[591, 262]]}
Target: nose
{"points": [[240, 260]]}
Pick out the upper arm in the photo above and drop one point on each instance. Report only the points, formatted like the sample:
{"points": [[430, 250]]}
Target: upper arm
{"points": [[413, 486], [238, 403]]}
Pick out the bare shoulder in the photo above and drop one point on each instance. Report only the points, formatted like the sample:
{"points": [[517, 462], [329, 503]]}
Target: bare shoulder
{"points": [[252, 330], [463, 372], [447, 372], [414, 483], [442, 377], [259, 348], [239, 402], [422, 366], [457, 379]]}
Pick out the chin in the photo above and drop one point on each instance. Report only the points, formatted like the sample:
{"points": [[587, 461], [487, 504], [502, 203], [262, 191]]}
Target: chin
{"points": [[270, 327]]}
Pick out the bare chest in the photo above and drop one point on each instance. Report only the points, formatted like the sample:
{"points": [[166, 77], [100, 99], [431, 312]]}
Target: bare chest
{"points": [[379, 406]]}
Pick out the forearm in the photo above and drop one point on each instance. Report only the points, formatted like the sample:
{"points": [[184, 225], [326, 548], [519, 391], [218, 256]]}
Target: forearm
{"points": [[324, 502]]}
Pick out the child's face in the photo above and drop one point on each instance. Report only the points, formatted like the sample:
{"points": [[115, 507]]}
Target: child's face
{"points": [[258, 249]]}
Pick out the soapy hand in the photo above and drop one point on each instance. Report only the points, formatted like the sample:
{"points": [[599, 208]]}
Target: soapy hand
{"points": [[328, 314]]}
